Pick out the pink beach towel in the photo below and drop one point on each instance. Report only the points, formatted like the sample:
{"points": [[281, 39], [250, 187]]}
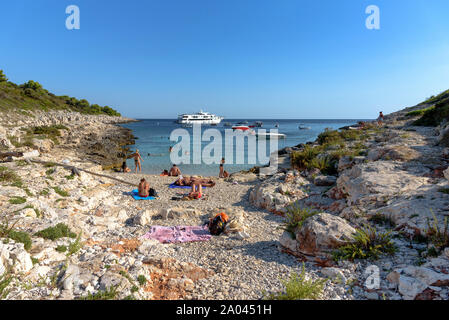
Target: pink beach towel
{"points": [[178, 234]]}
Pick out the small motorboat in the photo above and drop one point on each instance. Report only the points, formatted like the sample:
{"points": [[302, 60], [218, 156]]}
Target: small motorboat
{"points": [[270, 135], [240, 127], [302, 127]]}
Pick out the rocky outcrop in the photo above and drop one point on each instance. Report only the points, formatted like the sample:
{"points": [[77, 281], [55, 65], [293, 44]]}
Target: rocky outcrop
{"points": [[14, 257], [374, 180], [319, 235], [325, 181], [93, 137], [412, 280], [322, 233], [395, 152], [277, 192]]}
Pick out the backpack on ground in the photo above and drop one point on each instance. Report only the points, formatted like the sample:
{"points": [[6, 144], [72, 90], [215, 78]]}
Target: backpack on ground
{"points": [[218, 223], [152, 193]]}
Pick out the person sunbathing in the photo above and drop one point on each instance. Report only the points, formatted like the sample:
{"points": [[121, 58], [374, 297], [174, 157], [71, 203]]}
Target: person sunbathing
{"points": [[204, 182], [197, 190], [183, 181], [144, 188], [125, 167], [174, 171]]}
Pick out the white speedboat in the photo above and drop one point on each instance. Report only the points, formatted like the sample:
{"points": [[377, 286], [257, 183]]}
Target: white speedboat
{"points": [[199, 118], [270, 135]]}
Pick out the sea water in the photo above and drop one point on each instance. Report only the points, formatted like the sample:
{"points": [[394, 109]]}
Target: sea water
{"points": [[153, 142]]}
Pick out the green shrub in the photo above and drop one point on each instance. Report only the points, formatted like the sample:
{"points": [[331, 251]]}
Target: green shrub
{"points": [[7, 231], [9, 176], [44, 192], [5, 281], [329, 136], [53, 233], [109, 294], [61, 248], [325, 164], [437, 236], [368, 244], [3, 77], [33, 85], [302, 159], [419, 112], [61, 192], [332, 137], [75, 246], [295, 217], [432, 117], [17, 200], [22, 237], [49, 164], [26, 141], [297, 287], [142, 280], [380, 218]]}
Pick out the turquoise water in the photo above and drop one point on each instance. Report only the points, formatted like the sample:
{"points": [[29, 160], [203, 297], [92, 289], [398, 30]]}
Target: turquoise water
{"points": [[154, 142]]}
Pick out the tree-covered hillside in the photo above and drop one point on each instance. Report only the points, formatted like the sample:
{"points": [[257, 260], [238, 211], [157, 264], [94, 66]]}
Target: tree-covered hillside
{"points": [[32, 96]]}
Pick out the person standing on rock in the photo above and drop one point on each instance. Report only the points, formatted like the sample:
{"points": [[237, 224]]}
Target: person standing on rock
{"points": [[380, 119], [137, 159]]}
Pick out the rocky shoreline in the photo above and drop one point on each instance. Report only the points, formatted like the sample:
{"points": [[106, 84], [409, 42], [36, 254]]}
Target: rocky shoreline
{"points": [[82, 237], [96, 138]]}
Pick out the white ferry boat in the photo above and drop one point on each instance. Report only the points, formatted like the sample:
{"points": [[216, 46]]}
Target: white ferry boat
{"points": [[200, 117]]}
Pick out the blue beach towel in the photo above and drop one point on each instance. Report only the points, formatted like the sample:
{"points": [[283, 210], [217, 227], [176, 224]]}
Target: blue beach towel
{"points": [[174, 186], [135, 195]]}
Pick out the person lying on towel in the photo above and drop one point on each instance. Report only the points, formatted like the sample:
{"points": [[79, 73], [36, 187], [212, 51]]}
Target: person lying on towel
{"points": [[183, 181], [187, 181], [144, 188]]}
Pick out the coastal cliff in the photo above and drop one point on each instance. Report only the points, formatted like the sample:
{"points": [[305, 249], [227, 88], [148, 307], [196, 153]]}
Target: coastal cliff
{"points": [[96, 138], [367, 200]]}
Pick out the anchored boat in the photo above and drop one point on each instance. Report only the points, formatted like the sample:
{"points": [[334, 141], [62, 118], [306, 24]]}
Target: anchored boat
{"points": [[199, 118]]}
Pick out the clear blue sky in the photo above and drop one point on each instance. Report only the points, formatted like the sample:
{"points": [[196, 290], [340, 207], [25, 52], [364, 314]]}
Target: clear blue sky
{"points": [[236, 58]]}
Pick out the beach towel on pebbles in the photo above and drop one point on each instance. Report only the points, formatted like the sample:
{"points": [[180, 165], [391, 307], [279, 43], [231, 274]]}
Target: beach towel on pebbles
{"points": [[135, 195], [178, 234]]}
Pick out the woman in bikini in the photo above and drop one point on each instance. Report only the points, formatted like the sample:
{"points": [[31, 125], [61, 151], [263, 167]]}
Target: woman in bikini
{"points": [[137, 159]]}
